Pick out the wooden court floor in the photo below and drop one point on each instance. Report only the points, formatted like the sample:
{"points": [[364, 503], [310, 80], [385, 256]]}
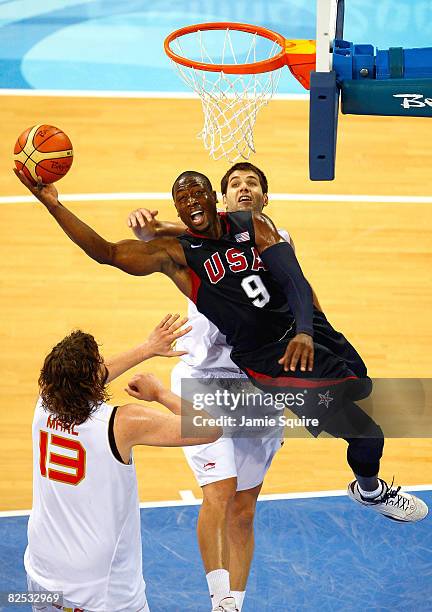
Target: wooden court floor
{"points": [[370, 264]]}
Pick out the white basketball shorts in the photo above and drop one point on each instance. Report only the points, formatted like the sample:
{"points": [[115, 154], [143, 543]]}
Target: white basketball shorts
{"points": [[246, 459]]}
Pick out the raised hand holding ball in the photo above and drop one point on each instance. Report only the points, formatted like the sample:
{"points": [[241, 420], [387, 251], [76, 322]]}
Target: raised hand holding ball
{"points": [[44, 151]]}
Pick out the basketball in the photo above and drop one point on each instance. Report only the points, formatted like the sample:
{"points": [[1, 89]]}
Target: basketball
{"points": [[45, 151]]}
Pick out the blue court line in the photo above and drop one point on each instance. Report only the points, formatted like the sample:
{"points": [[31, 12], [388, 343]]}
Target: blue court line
{"points": [[322, 553]]}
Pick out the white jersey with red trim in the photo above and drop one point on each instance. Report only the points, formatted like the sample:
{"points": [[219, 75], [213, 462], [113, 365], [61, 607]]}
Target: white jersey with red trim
{"points": [[206, 346], [84, 535]]}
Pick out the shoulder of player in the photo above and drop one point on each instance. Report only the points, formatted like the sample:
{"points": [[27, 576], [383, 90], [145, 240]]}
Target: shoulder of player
{"points": [[262, 222], [129, 419], [170, 249], [131, 411], [140, 424]]}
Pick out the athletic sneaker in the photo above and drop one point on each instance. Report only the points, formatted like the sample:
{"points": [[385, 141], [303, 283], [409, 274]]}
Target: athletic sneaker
{"points": [[227, 604], [392, 503]]}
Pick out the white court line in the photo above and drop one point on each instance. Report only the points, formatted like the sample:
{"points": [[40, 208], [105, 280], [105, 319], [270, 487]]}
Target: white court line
{"points": [[171, 95], [188, 496], [276, 197], [271, 497], [9, 513]]}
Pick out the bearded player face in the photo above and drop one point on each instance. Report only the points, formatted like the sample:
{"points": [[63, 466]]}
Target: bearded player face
{"points": [[244, 192]]}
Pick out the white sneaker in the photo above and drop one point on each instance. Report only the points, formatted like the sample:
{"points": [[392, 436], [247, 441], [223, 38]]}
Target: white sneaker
{"points": [[392, 503], [227, 604]]}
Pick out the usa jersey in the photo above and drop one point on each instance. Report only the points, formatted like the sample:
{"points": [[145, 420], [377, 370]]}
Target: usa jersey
{"points": [[232, 287], [84, 536], [206, 348]]}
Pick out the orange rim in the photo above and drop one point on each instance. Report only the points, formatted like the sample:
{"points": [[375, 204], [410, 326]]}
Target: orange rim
{"points": [[267, 65]]}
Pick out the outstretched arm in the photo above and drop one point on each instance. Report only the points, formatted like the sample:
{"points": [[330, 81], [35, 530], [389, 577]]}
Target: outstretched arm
{"points": [[145, 226], [135, 424], [131, 256], [280, 260]]}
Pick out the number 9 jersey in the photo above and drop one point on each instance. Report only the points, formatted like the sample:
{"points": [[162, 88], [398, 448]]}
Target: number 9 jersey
{"points": [[232, 287]]}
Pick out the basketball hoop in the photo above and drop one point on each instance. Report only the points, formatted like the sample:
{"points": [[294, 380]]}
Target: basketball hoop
{"points": [[235, 70]]}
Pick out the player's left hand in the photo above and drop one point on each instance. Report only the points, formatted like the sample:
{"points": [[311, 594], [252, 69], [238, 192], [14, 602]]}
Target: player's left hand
{"points": [[145, 387], [162, 338], [300, 351]]}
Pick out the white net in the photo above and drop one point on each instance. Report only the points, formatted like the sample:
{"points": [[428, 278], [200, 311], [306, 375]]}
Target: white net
{"points": [[230, 102]]}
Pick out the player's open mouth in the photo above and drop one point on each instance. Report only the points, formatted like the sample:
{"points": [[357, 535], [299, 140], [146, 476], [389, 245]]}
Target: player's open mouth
{"points": [[197, 217], [245, 198]]}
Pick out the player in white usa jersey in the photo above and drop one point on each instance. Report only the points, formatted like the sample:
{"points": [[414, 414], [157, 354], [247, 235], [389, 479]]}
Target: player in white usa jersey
{"points": [[84, 536], [231, 470]]}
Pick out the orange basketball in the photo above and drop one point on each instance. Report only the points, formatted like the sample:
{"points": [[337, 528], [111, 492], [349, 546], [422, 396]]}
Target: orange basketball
{"points": [[45, 151]]}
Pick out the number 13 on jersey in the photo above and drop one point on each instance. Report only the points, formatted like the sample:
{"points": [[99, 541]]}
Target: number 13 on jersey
{"points": [[75, 461]]}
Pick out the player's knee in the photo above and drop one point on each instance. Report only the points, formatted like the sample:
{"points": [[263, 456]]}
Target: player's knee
{"points": [[220, 494], [243, 511], [242, 517]]}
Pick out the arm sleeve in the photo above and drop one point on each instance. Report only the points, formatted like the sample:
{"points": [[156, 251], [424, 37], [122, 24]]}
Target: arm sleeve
{"points": [[281, 261]]}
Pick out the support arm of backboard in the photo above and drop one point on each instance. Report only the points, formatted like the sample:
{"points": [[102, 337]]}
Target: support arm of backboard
{"points": [[324, 93], [323, 118]]}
